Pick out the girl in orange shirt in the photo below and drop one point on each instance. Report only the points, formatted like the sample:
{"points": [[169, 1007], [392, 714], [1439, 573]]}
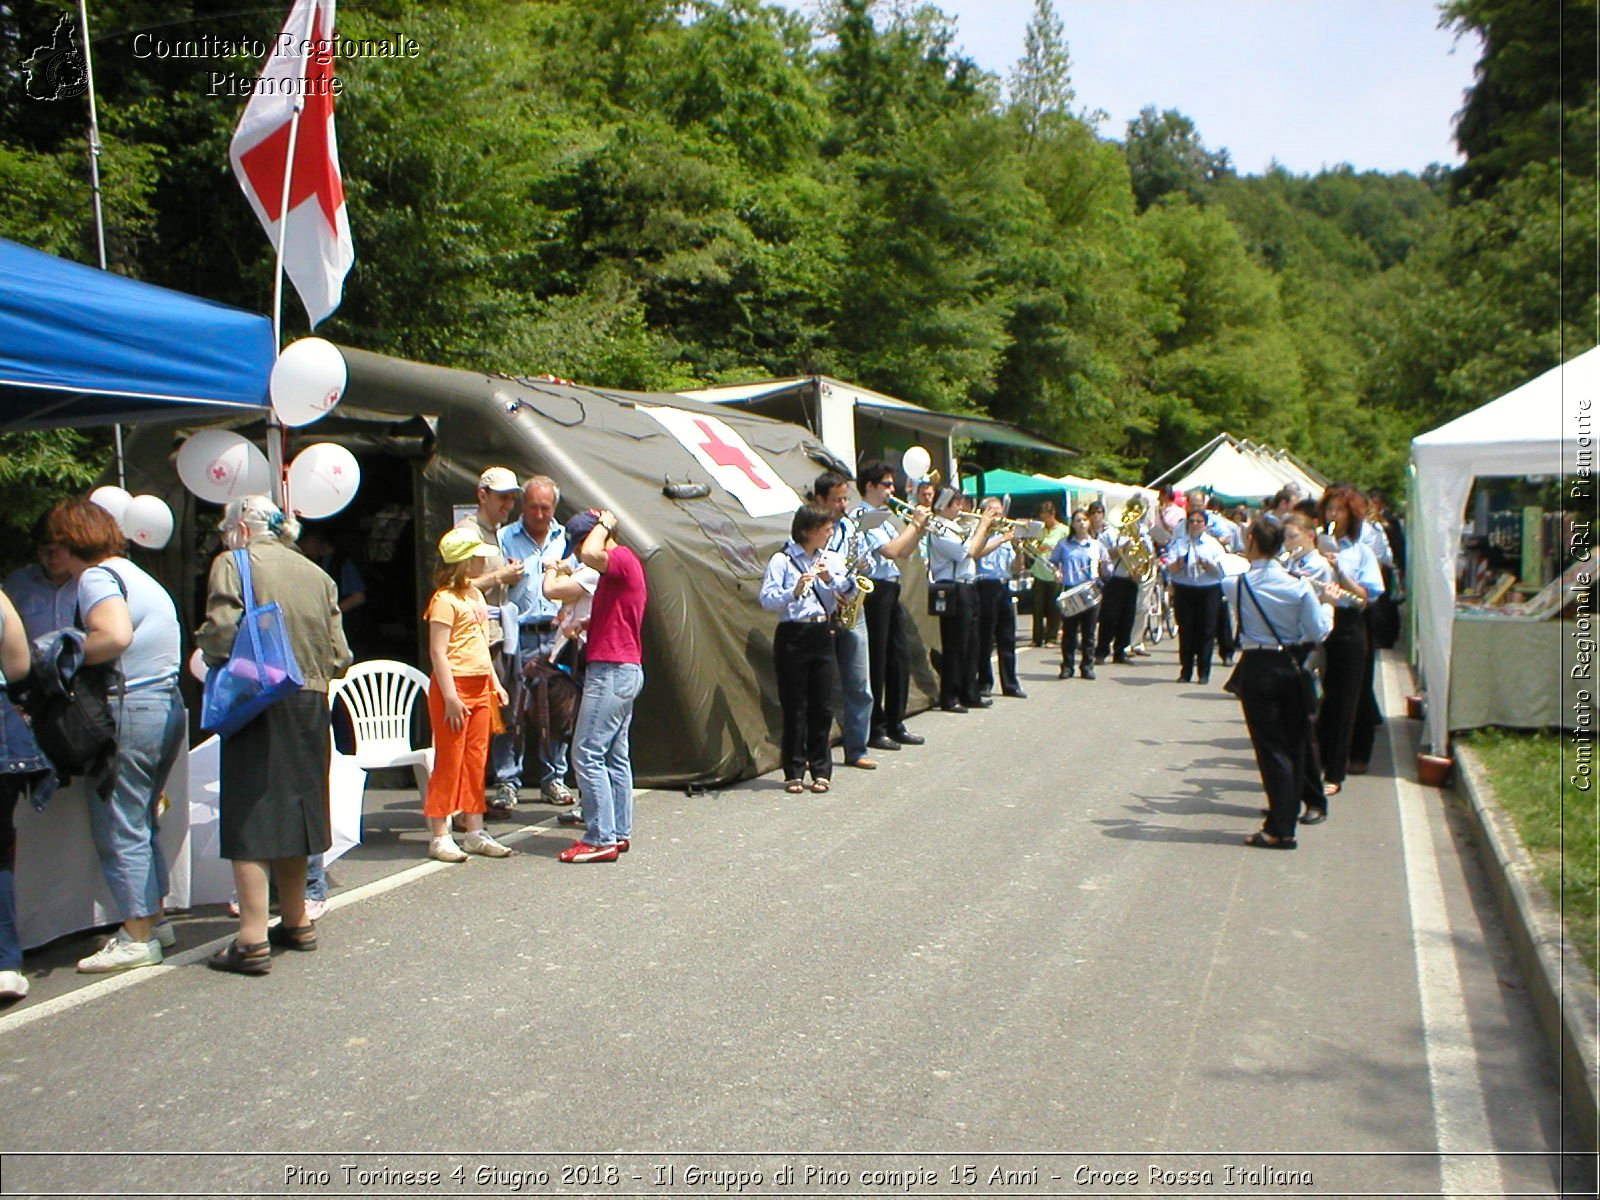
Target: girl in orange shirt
{"points": [[462, 697]]}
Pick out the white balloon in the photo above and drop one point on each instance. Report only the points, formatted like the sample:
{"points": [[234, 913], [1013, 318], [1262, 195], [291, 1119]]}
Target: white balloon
{"points": [[915, 462], [148, 522], [111, 498], [323, 478], [307, 381], [217, 465]]}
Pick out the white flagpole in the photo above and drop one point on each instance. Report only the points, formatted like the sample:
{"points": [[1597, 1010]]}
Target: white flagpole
{"points": [[94, 191], [274, 427]]}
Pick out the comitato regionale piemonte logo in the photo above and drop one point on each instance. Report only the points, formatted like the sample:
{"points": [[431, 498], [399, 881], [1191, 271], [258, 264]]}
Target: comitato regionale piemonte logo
{"points": [[57, 71]]}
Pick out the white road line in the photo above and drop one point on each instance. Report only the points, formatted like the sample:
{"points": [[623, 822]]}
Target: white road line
{"points": [[1460, 1115], [25, 1015]]}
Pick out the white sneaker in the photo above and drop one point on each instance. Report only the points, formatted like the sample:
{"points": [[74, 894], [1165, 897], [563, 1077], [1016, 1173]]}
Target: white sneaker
{"points": [[13, 985], [315, 909], [484, 844], [121, 953], [165, 934], [445, 850]]}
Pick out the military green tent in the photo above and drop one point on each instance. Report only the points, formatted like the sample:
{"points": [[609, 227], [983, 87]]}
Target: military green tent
{"points": [[709, 712]]}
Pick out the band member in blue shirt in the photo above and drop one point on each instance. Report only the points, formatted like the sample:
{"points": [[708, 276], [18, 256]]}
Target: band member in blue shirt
{"points": [[1278, 615], [1079, 561], [888, 643], [1347, 724], [804, 584], [998, 565], [1193, 559]]}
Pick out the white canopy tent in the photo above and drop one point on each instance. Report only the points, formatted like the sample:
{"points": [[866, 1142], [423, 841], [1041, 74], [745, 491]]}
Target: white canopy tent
{"points": [[1240, 472], [1540, 428]]}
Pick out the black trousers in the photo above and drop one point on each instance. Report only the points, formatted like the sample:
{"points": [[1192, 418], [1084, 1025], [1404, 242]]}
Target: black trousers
{"points": [[1196, 611], [997, 631], [1225, 624], [1121, 601], [1277, 712], [958, 640], [803, 654], [1046, 616], [1344, 677], [1368, 713], [1075, 630], [888, 657]]}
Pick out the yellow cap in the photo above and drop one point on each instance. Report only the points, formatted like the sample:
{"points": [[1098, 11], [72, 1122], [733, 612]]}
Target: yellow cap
{"points": [[458, 545]]}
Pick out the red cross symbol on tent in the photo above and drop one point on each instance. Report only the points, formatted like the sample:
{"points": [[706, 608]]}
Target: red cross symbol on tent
{"points": [[726, 455]]}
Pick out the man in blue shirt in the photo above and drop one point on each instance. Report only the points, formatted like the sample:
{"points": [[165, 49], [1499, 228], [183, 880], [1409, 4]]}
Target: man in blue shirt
{"points": [[532, 539]]}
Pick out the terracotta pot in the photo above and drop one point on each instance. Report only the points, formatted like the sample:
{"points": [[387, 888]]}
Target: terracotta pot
{"points": [[1414, 707], [1433, 770]]}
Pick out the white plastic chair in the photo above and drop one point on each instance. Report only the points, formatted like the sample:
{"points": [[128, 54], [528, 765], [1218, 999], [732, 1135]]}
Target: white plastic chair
{"points": [[380, 696]]}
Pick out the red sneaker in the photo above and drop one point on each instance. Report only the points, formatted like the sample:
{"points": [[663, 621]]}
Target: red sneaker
{"points": [[583, 852], [622, 845]]}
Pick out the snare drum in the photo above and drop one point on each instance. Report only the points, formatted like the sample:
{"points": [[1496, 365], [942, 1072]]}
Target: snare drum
{"points": [[1079, 599]]}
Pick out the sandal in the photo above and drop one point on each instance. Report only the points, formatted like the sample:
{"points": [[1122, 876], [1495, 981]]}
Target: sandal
{"points": [[303, 937], [252, 959], [794, 786], [1265, 841], [820, 785], [1332, 789], [1314, 816]]}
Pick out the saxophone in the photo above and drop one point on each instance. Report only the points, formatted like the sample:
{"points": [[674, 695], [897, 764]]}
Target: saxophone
{"points": [[849, 611]]}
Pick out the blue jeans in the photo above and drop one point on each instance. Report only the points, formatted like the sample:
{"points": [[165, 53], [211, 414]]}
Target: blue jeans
{"points": [[855, 681], [506, 750], [600, 750], [150, 728], [316, 878], [23, 768]]}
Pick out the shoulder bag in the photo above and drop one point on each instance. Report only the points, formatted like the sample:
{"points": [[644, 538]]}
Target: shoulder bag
{"points": [[261, 669]]}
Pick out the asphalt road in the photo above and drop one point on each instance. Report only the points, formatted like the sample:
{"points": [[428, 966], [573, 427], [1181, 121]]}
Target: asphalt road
{"points": [[1031, 957]]}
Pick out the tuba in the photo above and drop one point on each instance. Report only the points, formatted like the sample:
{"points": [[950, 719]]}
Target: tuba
{"points": [[1136, 556]]}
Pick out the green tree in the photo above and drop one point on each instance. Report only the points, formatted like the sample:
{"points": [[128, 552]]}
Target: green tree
{"points": [[1166, 157]]}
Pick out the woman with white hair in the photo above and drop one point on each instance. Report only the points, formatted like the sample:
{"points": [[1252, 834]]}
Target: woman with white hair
{"points": [[274, 800]]}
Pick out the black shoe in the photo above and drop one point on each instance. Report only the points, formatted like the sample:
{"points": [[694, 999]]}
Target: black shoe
{"points": [[1087, 672], [883, 742], [1205, 679], [1100, 656], [1016, 693], [1185, 677], [1122, 658], [906, 738], [980, 702], [569, 816], [1064, 673], [1314, 816], [986, 691], [953, 707]]}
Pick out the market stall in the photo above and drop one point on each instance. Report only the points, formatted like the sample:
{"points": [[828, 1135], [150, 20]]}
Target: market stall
{"points": [[1513, 670]]}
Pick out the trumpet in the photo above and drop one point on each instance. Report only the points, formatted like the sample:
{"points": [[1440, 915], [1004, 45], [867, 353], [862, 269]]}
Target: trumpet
{"points": [[908, 512]]}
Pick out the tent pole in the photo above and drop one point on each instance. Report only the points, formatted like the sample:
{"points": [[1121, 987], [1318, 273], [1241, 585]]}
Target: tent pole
{"points": [[1211, 445], [94, 192]]}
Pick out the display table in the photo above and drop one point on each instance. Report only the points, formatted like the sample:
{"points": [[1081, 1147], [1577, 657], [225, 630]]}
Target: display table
{"points": [[59, 886], [1513, 671]]}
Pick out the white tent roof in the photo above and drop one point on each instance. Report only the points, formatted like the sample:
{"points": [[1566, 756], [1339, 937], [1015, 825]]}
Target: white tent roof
{"points": [[1534, 429], [1229, 466]]}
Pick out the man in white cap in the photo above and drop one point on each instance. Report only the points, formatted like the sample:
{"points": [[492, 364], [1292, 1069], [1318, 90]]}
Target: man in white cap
{"points": [[497, 500]]}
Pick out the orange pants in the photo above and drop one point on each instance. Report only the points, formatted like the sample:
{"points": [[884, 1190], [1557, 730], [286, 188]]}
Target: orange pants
{"points": [[459, 757]]}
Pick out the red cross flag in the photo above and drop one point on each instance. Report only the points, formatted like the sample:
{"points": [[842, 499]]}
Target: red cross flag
{"points": [[299, 201], [731, 463]]}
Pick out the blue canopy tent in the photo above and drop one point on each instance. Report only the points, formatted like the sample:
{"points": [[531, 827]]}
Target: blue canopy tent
{"points": [[79, 346]]}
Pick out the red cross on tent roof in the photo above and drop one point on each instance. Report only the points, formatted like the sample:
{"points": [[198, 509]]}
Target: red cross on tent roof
{"points": [[725, 454]]}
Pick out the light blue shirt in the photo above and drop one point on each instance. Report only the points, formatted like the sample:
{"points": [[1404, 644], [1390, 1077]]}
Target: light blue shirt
{"points": [[1376, 540], [820, 599], [873, 541], [528, 592], [948, 560], [156, 653], [997, 564], [1276, 600], [43, 607], [1079, 561], [1360, 565], [1185, 559]]}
